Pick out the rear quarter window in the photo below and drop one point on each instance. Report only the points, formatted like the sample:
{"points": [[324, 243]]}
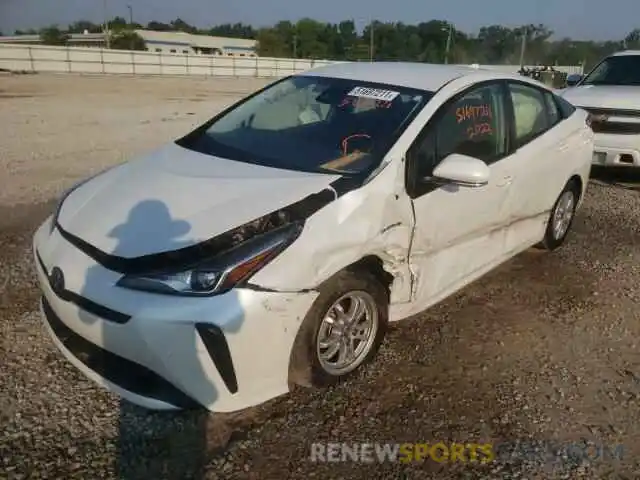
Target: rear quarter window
{"points": [[566, 109], [555, 116]]}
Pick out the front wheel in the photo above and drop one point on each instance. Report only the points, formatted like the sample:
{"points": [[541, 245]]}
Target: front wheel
{"points": [[561, 217], [342, 331]]}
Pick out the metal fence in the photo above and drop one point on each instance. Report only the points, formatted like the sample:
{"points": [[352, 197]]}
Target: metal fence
{"points": [[40, 58]]}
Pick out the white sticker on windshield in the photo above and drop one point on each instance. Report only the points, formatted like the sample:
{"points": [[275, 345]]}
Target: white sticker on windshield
{"points": [[374, 93]]}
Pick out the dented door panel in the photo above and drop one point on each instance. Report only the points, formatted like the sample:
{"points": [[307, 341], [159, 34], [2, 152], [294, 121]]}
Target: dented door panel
{"points": [[458, 232]]}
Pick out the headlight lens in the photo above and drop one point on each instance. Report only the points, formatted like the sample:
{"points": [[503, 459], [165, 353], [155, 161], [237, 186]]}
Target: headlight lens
{"points": [[221, 273]]}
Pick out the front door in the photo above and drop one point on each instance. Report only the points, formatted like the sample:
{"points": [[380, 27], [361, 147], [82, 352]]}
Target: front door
{"points": [[459, 231]]}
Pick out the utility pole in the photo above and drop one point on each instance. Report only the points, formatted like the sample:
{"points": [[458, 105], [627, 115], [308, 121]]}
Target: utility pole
{"points": [[295, 45], [448, 46], [131, 26], [106, 25], [371, 41], [523, 46]]}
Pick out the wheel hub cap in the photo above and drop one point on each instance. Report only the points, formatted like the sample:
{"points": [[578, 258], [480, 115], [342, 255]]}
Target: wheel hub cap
{"points": [[563, 214], [347, 333]]}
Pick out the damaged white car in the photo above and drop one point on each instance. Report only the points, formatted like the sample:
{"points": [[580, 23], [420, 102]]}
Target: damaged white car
{"points": [[273, 245]]}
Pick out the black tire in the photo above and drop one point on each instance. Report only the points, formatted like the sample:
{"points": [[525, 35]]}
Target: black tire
{"points": [[305, 367], [550, 241]]}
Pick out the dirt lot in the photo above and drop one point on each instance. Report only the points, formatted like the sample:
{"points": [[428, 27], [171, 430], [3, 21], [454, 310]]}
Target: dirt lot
{"points": [[544, 350]]}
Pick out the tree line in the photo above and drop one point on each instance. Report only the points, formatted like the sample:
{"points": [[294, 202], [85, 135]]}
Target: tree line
{"points": [[433, 41]]}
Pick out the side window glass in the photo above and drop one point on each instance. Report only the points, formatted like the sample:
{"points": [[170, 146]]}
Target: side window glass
{"points": [[426, 158], [552, 108], [474, 124], [565, 107], [529, 111]]}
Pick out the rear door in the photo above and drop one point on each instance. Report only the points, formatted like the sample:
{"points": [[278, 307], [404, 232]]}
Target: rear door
{"points": [[543, 142]]}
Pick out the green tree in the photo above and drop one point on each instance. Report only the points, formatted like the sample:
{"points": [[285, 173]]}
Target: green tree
{"points": [[236, 30], [81, 25], [632, 40], [29, 31], [180, 25], [347, 40], [394, 41], [500, 44], [310, 43], [159, 26], [53, 36], [270, 44], [127, 40], [118, 24]]}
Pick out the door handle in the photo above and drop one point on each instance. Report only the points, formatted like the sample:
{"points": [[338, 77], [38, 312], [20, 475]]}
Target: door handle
{"points": [[506, 180]]}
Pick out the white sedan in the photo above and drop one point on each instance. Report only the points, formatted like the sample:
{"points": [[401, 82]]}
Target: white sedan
{"points": [[273, 245]]}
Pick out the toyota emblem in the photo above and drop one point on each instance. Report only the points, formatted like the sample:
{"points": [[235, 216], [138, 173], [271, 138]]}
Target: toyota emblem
{"points": [[56, 280]]}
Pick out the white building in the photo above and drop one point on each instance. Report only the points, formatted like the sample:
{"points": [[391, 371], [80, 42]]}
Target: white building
{"points": [[164, 42], [187, 43]]}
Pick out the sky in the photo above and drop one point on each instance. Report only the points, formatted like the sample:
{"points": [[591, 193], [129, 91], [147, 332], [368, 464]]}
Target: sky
{"points": [[578, 19]]}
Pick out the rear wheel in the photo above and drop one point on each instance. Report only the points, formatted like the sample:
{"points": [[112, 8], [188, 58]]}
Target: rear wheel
{"points": [[561, 217], [342, 331]]}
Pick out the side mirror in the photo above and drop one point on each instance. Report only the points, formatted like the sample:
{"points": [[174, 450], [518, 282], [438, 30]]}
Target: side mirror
{"points": [[462, 170], [573, 79]]}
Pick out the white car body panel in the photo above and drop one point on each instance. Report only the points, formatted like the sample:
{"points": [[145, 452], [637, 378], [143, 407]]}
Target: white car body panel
{"points": [[555, 156], [604, 96], [160, 333], [432, 246], [242, 193], [366, 221]]}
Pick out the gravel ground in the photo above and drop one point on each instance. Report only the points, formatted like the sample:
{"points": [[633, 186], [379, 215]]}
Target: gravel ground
{"points": [[543, 351]]}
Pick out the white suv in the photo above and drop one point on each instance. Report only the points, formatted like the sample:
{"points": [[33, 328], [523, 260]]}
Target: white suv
{"points": [[611, 94]]}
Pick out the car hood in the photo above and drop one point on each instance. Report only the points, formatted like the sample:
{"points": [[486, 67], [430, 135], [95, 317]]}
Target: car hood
{"points": [[175, 198], [604, 96]]}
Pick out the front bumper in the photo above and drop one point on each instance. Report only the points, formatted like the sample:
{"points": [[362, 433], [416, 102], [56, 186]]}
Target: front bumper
{"points": [[224, 353], [615, 150]]}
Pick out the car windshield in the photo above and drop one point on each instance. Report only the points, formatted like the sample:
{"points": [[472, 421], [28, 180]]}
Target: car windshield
{"points": [[312, 124], [616, 70]]}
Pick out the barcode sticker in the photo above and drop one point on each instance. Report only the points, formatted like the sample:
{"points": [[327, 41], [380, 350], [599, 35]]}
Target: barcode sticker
{"points": [[374, 93]]}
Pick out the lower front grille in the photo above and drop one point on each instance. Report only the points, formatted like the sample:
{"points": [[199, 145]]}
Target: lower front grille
{"points": [[124, 373], [627, 122]]}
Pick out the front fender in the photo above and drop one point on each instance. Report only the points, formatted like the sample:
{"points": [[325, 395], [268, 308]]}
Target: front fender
{"points": [[371, 220]]}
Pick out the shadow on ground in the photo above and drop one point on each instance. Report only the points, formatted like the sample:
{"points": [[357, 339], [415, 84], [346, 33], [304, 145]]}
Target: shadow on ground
{"points": [[622, 177]]}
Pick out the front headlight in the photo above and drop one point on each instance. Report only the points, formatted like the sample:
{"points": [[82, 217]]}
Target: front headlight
{"points": [[221, 273]]}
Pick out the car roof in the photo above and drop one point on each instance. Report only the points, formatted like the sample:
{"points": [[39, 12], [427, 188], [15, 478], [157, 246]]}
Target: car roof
{"points": [[626, 52], [424, 76]]}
